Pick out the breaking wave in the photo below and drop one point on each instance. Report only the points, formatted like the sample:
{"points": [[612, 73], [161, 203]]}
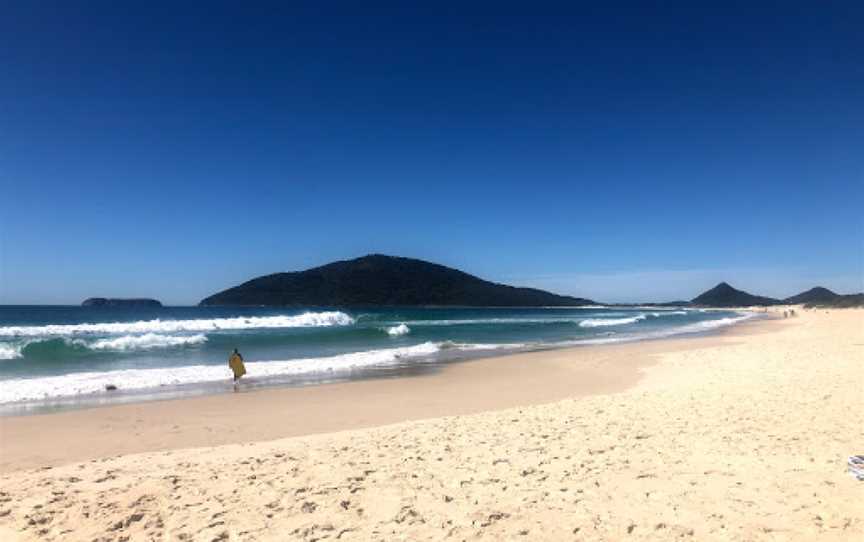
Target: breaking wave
{"points": [[9, 351], [144, 342], [695, 327], [602, 322], [76, 384], [45, 362], [398, 331], [308, 319]]}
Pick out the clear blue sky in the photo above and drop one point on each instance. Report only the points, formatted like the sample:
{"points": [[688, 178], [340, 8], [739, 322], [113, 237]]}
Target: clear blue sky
{"points": [[628, 152]]}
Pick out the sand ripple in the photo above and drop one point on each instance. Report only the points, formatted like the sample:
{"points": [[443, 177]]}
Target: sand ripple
{"points": [[744, 441]]}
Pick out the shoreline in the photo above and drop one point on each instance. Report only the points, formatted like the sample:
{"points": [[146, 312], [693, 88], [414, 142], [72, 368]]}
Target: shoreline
{"points": [[480, 384], [106, 399], [738, 436]]}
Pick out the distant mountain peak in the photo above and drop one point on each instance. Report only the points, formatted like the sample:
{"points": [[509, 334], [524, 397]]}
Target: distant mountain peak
{"points": [[819, 294], [724, 287], [724, 295], [820, 290]]}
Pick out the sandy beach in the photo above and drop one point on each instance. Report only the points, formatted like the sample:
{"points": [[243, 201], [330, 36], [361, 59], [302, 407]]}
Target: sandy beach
{"points": [[736, 436]]}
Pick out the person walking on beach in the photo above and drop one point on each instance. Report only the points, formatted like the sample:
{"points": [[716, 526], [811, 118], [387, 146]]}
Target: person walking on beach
{"points": [[235, 362]]}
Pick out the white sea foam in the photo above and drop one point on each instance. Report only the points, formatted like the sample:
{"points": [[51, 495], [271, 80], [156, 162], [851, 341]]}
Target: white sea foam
{"points": [[468, 347], [398, 331], [667, 313], [308, 319], [9, 351], [76, 384], [695, 327], [144, 342], [708, 325], [623, 318], [474, 321], [602, 322], [700, 327]]}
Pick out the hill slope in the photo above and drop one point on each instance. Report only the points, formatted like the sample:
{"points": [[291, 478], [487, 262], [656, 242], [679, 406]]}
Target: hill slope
{"points": [[724, 295], [384, 280], [813, 295], [839, 302]]}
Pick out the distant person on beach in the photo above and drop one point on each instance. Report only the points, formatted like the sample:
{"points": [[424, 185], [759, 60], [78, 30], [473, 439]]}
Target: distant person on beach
{"points": [[236, 364]]}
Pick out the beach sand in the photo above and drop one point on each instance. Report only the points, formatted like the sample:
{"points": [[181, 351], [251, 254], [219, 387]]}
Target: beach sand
{"points": [[739, 436]]}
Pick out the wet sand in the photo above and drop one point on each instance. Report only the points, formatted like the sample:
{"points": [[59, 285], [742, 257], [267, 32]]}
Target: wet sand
{"points": [[267, 414], [740, 436]]}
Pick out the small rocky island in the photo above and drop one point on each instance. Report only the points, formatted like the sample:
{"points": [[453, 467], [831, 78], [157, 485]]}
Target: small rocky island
{"points": [[138, 302]]}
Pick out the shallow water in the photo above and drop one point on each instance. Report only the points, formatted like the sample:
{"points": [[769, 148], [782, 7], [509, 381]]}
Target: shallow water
{"points": [[55, 357]]}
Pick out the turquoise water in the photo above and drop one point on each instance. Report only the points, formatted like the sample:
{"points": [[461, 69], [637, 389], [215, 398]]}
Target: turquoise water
{"points": [[66, 356]]}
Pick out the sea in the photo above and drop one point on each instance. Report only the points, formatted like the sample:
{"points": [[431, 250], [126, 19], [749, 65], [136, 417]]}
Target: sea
{"points": [[60, 357]]}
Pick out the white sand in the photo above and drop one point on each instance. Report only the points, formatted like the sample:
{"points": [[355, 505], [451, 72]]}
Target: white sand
{"points": [[744, 437]]}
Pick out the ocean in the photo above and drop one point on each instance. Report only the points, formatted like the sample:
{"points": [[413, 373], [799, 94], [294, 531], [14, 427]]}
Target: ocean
{"points": [[56, 357]]}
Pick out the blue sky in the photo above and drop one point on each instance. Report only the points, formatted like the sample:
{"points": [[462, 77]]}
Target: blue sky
{"points": [[627, 152]]}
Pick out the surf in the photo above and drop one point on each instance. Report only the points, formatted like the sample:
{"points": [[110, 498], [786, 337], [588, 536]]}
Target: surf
{"points": [[307, 319], [93, 382]]}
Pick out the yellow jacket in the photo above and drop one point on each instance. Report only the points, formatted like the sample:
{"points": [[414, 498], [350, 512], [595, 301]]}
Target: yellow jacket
{"points": [[236, 364]]}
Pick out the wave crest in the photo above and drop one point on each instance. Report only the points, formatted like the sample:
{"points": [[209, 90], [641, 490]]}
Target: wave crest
{"points": [[602, 322], [307, 319], [76, 384], [398, 331], [9, 351], [668, 313], [145, 342]]}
